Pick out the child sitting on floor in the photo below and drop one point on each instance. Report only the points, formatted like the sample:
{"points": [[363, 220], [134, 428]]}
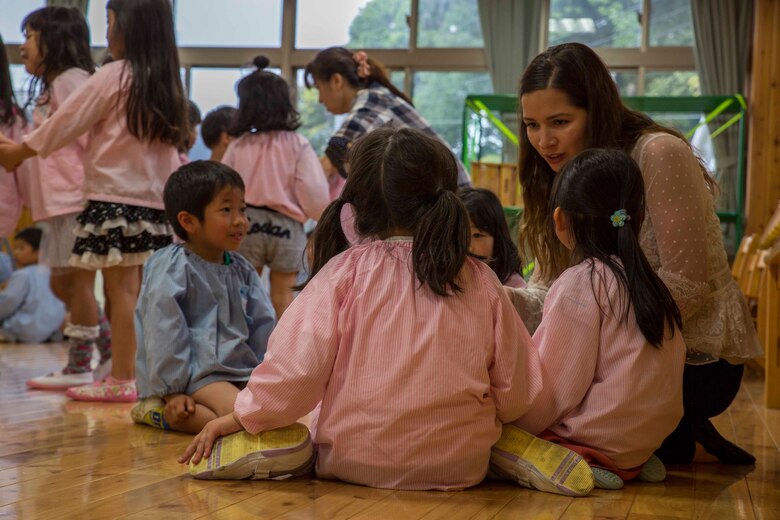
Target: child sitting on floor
{"points": [[203, 318], [29, 311], [490, 239], [407, 347]]}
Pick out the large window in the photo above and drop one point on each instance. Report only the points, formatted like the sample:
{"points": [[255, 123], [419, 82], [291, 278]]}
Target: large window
{"points": [[432, 48]]}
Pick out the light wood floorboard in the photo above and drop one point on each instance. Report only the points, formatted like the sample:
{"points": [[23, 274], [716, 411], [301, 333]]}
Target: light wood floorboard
{"points": [[64, 459]]}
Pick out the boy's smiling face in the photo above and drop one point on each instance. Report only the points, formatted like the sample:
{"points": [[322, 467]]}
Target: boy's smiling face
{"points": [[24, 253], [223, 227]]}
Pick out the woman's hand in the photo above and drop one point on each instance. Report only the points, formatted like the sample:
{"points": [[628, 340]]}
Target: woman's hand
{"points": [[201, 445]]}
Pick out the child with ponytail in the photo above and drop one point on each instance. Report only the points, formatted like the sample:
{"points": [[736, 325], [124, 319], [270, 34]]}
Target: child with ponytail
{"points": [[610, 344], [407, 347]]}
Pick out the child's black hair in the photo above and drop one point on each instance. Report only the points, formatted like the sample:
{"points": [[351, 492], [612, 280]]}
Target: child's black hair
{"points": [[264, 103], [193, 186], [401, 180], [63, 43], [590, 189], [156, 107], [215, 123], [31, 235], [193, 120], [9, 108], [487, 214]]}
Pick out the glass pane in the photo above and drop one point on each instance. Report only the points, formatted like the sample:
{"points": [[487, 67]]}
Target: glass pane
{"points": [[96, 17], [627, 81], [397, 78], [670, 23], [449, 23], [677, 83], [13, 12], [212, 87], [229, 23], [365, 24], [20, 79], [439, 97], [317, 124], [596, 23]]}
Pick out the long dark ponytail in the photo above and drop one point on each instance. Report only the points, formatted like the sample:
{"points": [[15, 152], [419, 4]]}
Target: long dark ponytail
{"points": [[603, 195], [9, 108], [156, 104], [401, 179], [338, 60]]}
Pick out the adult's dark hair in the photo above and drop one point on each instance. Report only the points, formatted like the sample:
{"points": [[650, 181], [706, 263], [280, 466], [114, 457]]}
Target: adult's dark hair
{"points": [[215, 123], [63, 43], [193, 186], [264, 103], [9, 108], [578, 71], [402, 179], [338, 60], [590, 189], [31, 235], [487, 214], [156, 106]]}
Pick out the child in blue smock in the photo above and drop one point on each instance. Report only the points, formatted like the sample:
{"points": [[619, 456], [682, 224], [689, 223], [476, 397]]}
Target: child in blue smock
{"points": [[29, 311], [203, 318]]}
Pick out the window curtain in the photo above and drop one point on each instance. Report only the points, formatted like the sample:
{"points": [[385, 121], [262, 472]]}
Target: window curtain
{"points": [[82, 5], [511, 30], [722, 32]]}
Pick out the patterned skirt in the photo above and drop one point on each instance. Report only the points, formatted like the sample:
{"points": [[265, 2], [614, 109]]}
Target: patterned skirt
{"points": [[110, 235]]}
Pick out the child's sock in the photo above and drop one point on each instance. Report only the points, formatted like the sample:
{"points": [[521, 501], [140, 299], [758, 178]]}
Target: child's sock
{"points": [[605, 479], [81, 340], [103, 340], [653, 471]]}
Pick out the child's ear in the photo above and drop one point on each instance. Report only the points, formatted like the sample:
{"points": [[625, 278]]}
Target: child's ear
{"points": [[187, 221], [336, 81], [563, 228], [224, 138]]}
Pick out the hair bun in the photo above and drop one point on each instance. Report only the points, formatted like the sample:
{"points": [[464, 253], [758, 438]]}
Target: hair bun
{"points": [[261, 62]]}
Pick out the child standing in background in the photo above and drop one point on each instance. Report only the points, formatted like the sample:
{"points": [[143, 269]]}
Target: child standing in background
{"points": [[29, 312], [203, 318], [56, 53], [134, 110], [214, 130], [407, 348], [193, 120], [610, 343], [11, 125], [490, 240], [285, 184]]}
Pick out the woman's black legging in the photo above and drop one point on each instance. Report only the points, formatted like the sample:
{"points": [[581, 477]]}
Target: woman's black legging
{"points": [[707, 391]]}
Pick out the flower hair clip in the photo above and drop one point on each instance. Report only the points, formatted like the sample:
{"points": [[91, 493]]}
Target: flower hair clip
{"points": [[363, 67], [619, 218]]}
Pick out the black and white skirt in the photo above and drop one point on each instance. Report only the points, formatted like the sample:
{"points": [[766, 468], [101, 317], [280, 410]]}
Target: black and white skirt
{"points": [[110, 234]]}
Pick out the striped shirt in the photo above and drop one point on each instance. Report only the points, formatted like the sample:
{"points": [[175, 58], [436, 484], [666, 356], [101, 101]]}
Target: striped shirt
{"points": [[410, 387]]}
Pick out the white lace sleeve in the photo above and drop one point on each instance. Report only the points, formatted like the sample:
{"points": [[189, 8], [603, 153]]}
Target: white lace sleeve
{"points": [[529, 302], [678, 206]]}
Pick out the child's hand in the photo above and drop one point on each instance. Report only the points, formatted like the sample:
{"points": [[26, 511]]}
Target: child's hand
{"points": [[178, 408], [9, 154], [200, 447]]}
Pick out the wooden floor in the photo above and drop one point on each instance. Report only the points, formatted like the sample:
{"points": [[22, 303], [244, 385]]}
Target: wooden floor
{"points": [[64, 459]]}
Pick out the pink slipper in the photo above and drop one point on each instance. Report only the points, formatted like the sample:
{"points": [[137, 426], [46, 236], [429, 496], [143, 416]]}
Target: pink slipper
{"points": [[108, 391]]}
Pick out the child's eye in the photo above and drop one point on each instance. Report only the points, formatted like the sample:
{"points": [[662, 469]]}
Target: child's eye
{"points": [[477, 235], [243, 209], [560, 122], [530, 124]]}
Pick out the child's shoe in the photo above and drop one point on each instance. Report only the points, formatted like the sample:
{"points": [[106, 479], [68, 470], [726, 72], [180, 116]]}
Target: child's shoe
{"points": [[536, 463], [108, 391], [149, 411], [274, 454], [60, 381], [653, 470], [605, 479]]}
